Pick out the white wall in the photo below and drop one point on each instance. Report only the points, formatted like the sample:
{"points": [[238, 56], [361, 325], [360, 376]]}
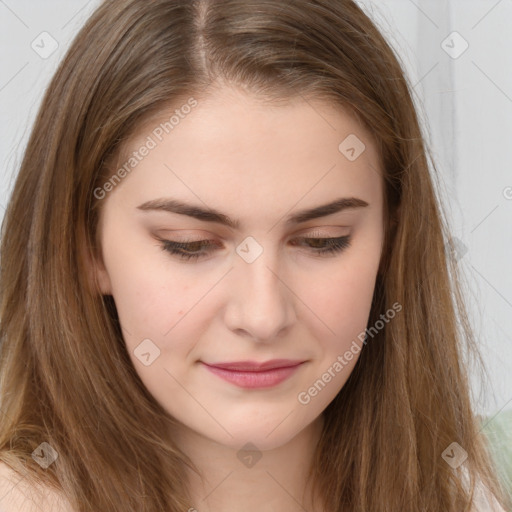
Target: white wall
{"points": [[465, 104]]}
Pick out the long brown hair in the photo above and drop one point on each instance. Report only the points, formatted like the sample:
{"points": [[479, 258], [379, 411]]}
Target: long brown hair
{"points": [[66, 378]]}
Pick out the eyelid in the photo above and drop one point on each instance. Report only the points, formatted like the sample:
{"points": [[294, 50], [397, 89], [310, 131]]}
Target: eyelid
{"points": [[320, 233], [190, 234], [335, 246]]}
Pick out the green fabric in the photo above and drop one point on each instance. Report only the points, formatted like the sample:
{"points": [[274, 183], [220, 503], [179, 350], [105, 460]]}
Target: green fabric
{"points": [[498, 430]]}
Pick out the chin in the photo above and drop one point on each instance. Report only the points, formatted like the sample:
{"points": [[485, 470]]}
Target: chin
{"points": [[268, 436]]}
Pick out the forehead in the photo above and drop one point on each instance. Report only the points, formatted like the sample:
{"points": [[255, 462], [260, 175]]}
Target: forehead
{"points": [[236, 146]]}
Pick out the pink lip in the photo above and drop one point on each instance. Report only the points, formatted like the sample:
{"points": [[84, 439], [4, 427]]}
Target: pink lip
{"points": [[250, 374]]}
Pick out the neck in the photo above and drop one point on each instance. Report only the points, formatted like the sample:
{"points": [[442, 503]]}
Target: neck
{"points": [[233, 479]]}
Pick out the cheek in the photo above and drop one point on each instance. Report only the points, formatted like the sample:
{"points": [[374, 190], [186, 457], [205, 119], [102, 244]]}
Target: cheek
{"points": [[158, 338], [150, 300], [149, 297], [343, 305], [342, 298]]}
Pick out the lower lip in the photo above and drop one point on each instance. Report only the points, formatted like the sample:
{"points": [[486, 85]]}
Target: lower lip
{"points": [[251, 380]]}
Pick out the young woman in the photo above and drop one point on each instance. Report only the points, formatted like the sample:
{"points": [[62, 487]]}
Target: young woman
{"points": [[226, 277]]}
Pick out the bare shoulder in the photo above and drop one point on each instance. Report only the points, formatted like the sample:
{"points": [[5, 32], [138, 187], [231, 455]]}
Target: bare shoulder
{"points": [[485, 501], [16, 495], [488, 508]]}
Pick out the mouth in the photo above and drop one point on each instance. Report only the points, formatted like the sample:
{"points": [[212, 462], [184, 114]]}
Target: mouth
{"points": [[251, 375]]}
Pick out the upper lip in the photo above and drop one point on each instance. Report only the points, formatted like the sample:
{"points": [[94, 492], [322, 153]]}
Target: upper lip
{"points": [[254, 366]]}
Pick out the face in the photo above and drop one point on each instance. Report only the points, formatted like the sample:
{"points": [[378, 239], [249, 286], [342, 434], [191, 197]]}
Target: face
{"points": [[217, 248]]}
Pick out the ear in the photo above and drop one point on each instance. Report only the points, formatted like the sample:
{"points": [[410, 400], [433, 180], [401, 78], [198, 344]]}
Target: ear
{"points": [[98, 277], [393, 223]]}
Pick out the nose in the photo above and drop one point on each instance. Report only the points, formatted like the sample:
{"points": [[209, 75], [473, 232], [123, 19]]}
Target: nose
{"points": [[261, 302]]}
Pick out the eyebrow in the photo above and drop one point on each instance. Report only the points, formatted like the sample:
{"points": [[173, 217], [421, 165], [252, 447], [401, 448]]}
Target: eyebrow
{"points": [[212, 215]]}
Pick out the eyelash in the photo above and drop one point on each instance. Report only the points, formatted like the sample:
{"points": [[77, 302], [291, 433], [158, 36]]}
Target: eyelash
{"points": [[334, 246]]}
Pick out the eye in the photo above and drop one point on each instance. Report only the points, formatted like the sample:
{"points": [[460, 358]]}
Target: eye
{"points": [[188, 250], [324, 246]]}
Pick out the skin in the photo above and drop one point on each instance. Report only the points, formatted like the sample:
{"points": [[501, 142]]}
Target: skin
{"points": [[257, 163]]}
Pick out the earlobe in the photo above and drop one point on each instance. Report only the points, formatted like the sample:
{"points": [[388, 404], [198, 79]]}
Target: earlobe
{"points": [[98, 278], [103, 281], [387, 244]]}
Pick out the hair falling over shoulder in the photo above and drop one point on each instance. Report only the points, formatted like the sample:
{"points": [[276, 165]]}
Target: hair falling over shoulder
{"points": [[65, 376]]}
